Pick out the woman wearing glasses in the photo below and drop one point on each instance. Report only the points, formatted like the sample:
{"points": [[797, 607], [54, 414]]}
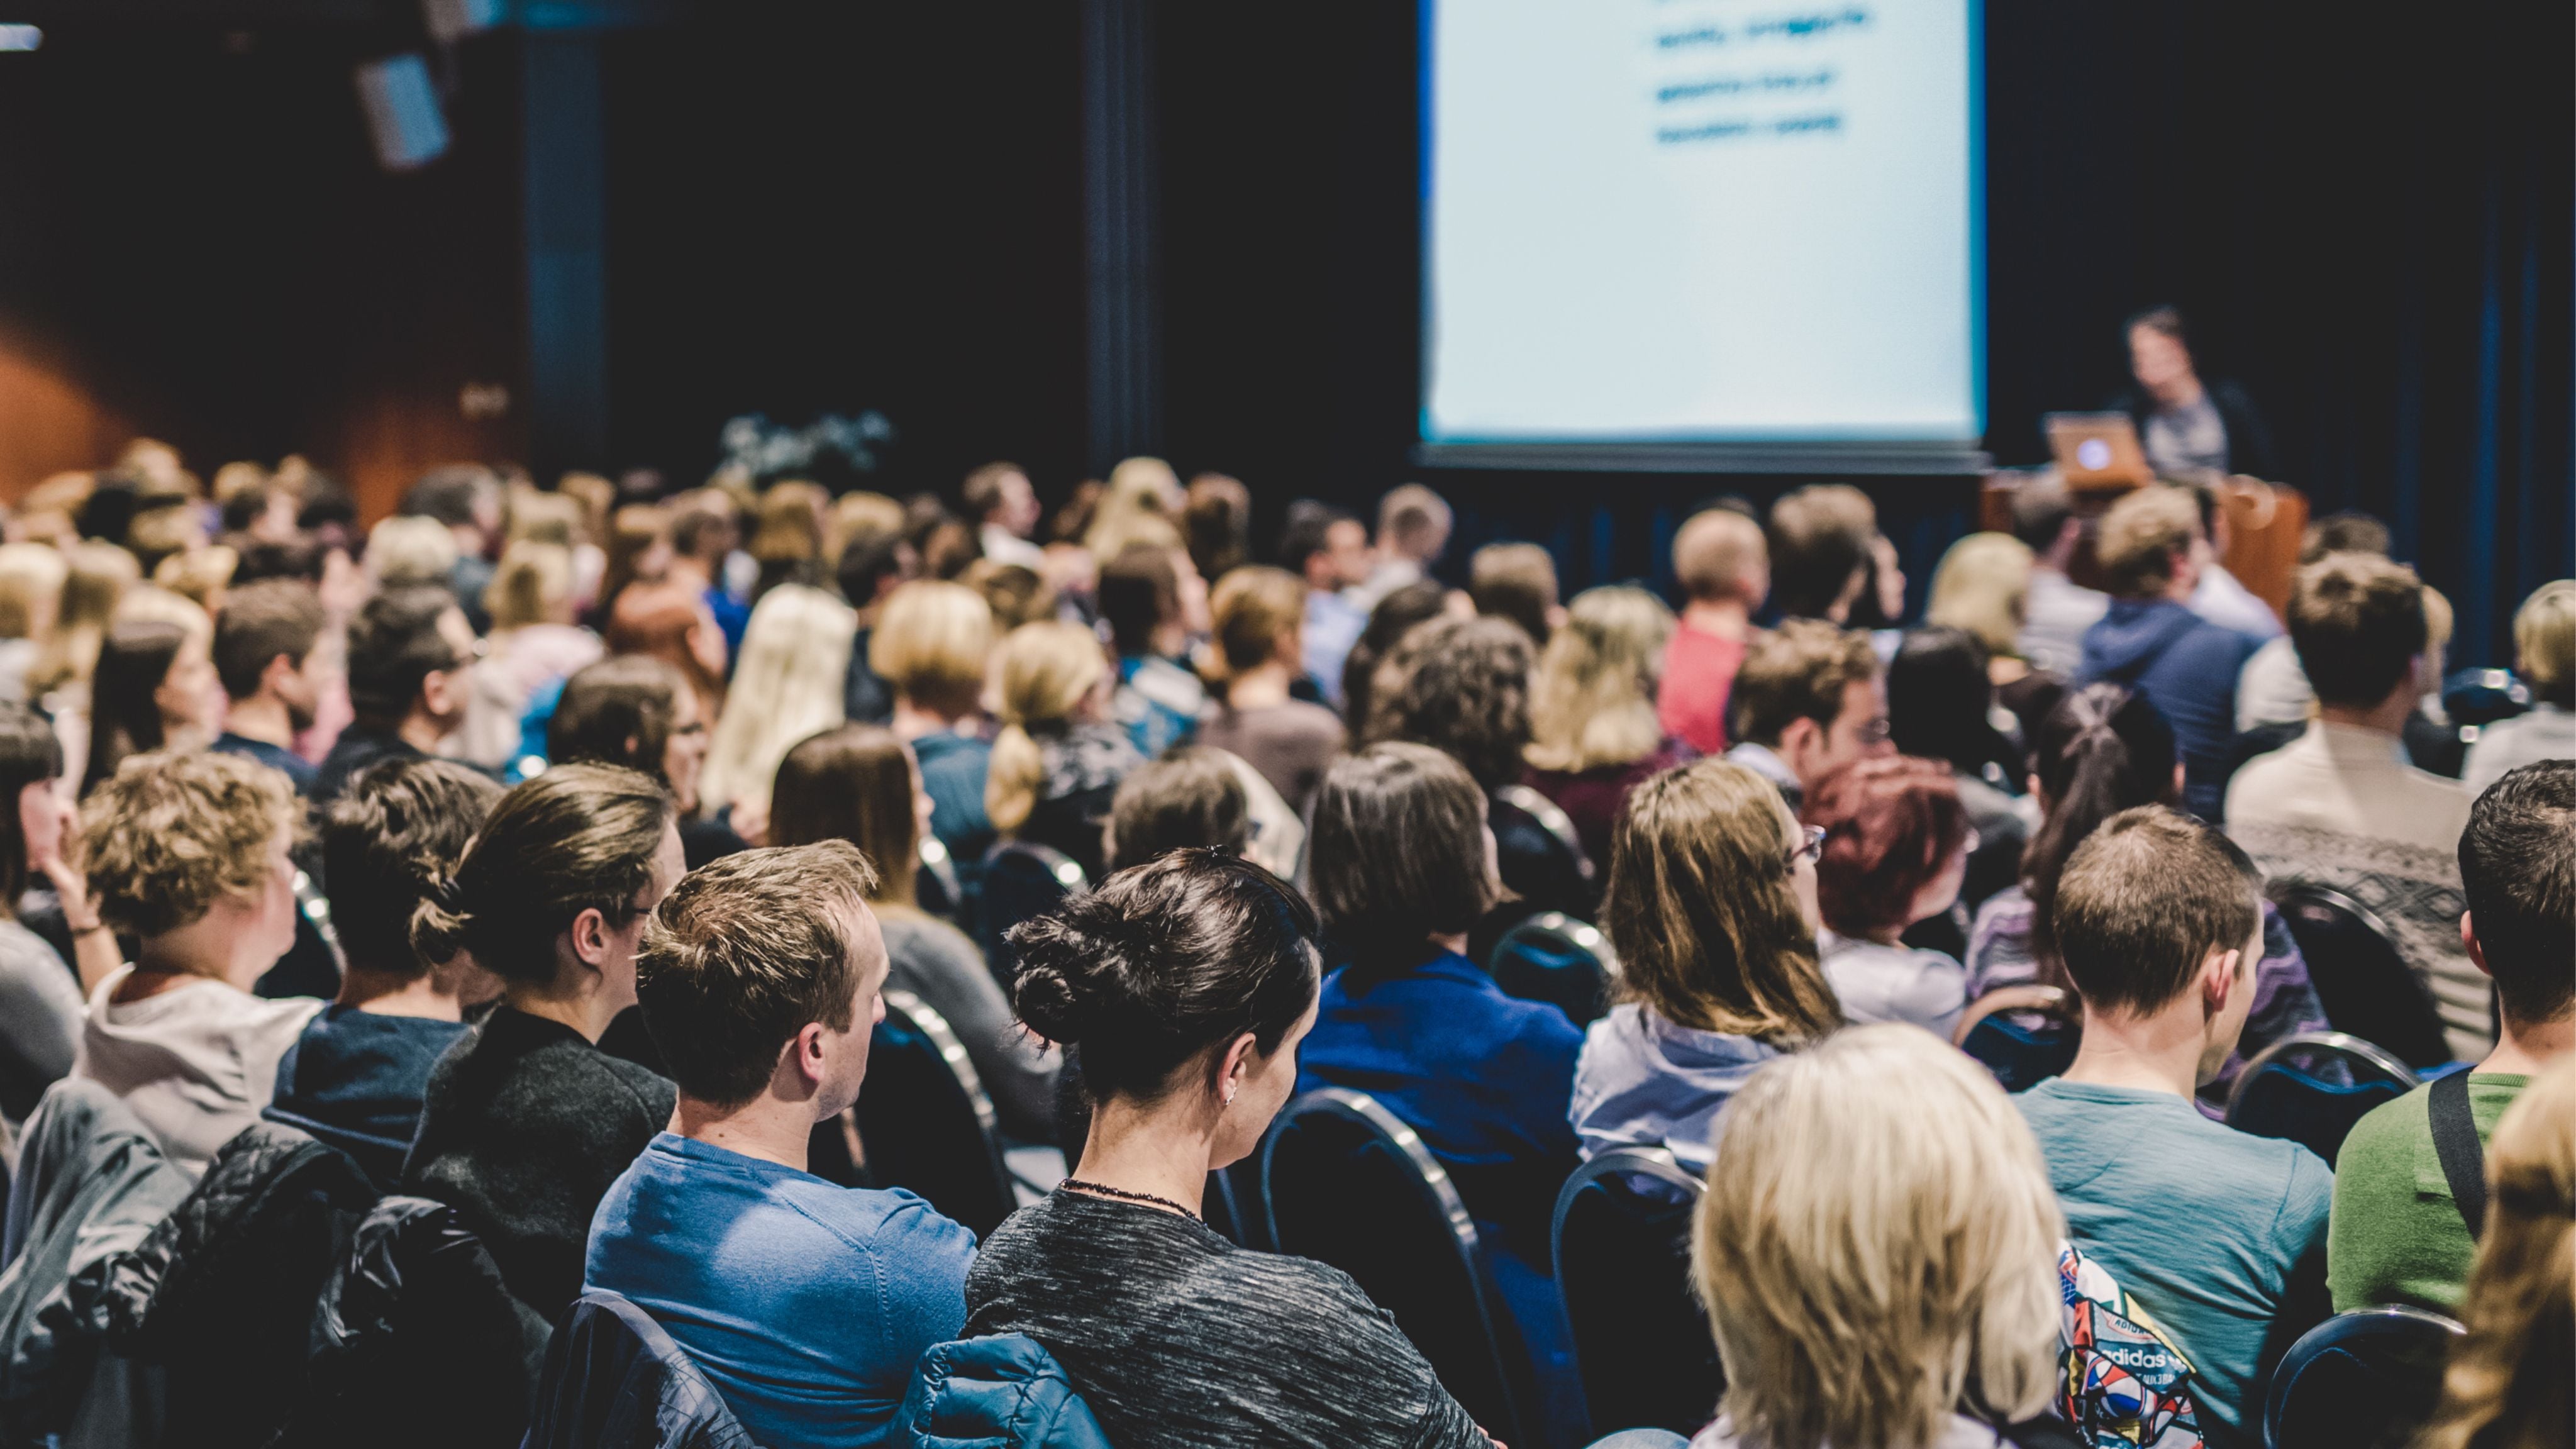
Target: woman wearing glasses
{"points": [[1712, 907]]}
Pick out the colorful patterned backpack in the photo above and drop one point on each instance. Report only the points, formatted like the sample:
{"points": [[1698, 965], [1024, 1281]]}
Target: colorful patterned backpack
{"points": [[2122, 1385]]}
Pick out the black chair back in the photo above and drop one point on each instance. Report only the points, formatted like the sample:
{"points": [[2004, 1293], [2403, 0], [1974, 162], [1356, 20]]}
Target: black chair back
{"points": [[1345, 1182], [614, 1380], [1022, 880], [2360, 1380], [2362, 979], [2312, 1087], [2480, 697], [2023, 1034], [936, 886], [1621, 1244], [1553, 957], [923, 1121], [1573, 859]]}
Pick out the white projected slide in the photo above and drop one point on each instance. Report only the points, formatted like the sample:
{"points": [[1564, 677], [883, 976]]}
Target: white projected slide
{"points": [[1676, 221]]}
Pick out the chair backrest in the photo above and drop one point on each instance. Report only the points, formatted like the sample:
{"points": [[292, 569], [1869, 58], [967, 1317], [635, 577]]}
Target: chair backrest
{"points": [[924, 1122], [1022, 880], [2311, 1088], [1620, 1240], [2362, 979], [1558, 825], [2367, 1378], [614, 1380], [2022, 1034], [937, 887], [1346, 1182], [2483, 696], [1553, 957]]}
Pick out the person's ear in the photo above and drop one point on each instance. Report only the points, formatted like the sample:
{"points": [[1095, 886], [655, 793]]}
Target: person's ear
{"points": [[1234, 1068], [589, 932], [2218, 979], [2469, 938], [274, 676], [1797, 737], [807, 1045]]}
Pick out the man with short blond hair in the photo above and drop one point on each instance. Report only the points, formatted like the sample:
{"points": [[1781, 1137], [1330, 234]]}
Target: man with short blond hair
{"points": [[2150, 640], [1725, 572], [1412, 532]]}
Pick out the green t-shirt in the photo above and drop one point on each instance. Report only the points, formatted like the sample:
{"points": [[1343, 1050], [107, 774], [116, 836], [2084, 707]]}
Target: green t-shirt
{"points": [[2397, 1236]]}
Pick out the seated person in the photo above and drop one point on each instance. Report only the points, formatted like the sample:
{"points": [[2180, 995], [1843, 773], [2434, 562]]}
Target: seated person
{"points": [[356, 1075], [806, 1304], [1712, 909], [1875, 1250], [2507, 1383], [2218, 1235], [188, 853], [1148, 595], [1594, 733], [1057, 762], [1821, 549], [2151, 550], [2544, 650], [1329, 548], [639, 712], [1258, 653], [526, 1121], [1941, 706], [1184, 987], [1896, 848], [930, 645], [2059, 610], [2104, 749], [264, 654], [1400, 872], [1725, 573], [2341, 807], [1516, 581], [1810, 699], [1190, 799], [2399, 1235], [859, 783], [409, 654]]}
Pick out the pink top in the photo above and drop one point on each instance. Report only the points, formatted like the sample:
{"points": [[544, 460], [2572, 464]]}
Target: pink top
{"points": [[1699, 672]]}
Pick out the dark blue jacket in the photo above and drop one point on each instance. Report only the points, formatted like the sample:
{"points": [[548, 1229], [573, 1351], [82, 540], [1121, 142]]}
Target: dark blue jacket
{"points": [[1005, 1391], [615, 1380], [2186, 666]]}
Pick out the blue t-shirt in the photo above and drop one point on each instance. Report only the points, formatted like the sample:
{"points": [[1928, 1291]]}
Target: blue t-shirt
{"points": [[2212, 1231], [355, 1079], [953, 767], [806, 1304], [294, 766]]}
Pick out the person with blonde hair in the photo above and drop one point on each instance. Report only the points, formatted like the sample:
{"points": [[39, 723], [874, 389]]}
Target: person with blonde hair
{"points": [[787, 539], [1594, 730], [788, 684], [1982, 586], [1258, 652], [1142, 504], [199, 574], [932, 644], [1058, 760], [95, 582], [1413, 526], [188, 854], [31, 603], [2508, 1384], [534, 644], [1724, 568], [1875, 1251], [409, 549], [1712, 910], [2544, 650]]}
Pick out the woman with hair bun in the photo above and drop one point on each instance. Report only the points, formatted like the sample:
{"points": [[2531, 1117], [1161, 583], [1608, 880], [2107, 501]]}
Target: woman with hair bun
{"points": [[2104, 749], [526, 1122], [1185, 985]]}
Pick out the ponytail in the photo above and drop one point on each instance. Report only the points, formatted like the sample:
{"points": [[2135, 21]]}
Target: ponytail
{"points": [[1011, 782], [1043, 672], [2102, 750]]}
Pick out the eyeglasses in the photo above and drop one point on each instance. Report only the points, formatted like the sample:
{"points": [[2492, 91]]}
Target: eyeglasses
{"points": [[1810, 846], [1875, 731]]}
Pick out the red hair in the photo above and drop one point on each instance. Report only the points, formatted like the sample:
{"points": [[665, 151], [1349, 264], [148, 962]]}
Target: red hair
{"points": [[1891, 826]]}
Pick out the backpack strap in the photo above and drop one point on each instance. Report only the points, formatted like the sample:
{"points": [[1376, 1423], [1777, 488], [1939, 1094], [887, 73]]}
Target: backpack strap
{"points": [[2455, 1141]]}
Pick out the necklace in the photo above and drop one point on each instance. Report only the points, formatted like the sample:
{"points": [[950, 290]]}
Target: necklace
{"points": [[1125, 1196]]}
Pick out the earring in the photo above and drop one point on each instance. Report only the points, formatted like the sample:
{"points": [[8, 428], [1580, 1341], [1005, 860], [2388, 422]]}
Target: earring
{"points": [[1229, 1096]]}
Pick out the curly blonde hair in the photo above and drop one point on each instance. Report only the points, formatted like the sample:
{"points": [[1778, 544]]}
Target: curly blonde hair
{"points": [[171, 833], [1592, 697]]}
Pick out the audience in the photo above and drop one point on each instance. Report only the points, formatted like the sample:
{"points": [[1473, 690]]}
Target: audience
{"points": [[931, 646], [1712, 910], [409, 650], [670, 621], [1216, 521], [1941, 706], [2218, 1236], [1190, 799], [2342, 807], [2151, 549], [1594, 730], [795, 661], [858, 783], [356, 1075], [1895, 849], [526, 1122], [1395, 616], [1810, 699], [1329, 549], [1058, 760], [1820, 541], [1516, 581], [1150, 597], [1724, 570], [1257, 653], [534, 644], [187, 853], [1184, 987], [2507, 1384], [2219, 598], [1874, 1253], [2544, 647], [805, 1304], [2272, 689], [32, 576], [871, 567], [2059, 611], [1005, 510], [2101, 751], [268, 658], [155, 688], [2401, 1235], [636, 712], [1412, 533], [40, 997]]}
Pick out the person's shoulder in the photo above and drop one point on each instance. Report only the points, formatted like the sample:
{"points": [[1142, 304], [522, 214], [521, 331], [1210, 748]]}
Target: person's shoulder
{"points": [[918, 933], [886, 1222], [2386, 1137]]}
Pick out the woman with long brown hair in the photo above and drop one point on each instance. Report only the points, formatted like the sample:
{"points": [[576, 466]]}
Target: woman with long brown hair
{"points": [[859, 783], [1712, 908]]}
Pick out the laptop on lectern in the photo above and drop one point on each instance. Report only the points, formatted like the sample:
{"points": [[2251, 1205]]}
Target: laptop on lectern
{"points": [[2097, 450]]}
